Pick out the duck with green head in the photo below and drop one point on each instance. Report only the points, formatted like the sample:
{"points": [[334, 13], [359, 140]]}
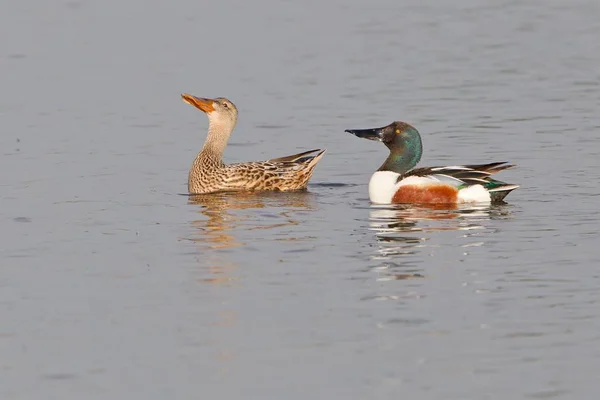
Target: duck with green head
{"points": [[398, 181]]}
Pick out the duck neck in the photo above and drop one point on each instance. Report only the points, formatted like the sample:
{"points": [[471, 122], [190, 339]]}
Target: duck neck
{"points": [[216, 141], [405, 152]]}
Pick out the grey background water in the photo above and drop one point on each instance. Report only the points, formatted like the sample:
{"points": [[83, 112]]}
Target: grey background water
{"points": [[114, 285]]}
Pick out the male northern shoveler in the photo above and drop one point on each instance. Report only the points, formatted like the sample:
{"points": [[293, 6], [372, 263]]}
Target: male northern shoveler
{"points": [[398, 181], [209, 174]]}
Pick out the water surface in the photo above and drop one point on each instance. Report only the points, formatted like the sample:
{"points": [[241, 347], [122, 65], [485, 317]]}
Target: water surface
{"points": [[114, 285]]}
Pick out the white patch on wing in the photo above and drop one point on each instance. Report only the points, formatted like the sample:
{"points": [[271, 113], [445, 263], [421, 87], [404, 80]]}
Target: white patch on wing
{"points": [[452, 168], [450, 180], [382, 186], [431, 179], [419, 180], [474, 194]]}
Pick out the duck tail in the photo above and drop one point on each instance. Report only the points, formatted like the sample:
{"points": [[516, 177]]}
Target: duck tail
{"points": [[500, 191], [313, 160], [298, 158]]}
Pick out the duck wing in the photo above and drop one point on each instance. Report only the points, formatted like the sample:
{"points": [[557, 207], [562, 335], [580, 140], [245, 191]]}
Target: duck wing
{"points": [[464, 175], [297, 158], [284, 173]]}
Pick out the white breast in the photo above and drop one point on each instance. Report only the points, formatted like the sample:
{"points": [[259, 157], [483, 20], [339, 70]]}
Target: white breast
{"points": [[382, 186]]}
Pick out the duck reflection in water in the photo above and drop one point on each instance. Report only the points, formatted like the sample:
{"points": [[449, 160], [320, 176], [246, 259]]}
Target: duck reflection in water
{"points": [[224, 221], [227, 216], [403, 230], [411, 218]]}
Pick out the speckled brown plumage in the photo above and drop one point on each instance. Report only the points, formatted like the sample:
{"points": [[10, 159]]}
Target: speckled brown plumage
{"points": [[208, 173]]}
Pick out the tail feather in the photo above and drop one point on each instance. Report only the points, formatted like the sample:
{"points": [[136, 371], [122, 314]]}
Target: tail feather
{"points": [[498, 193], [314, 160], [308, 164], [298, 158], [503, 188], [491, 168]]}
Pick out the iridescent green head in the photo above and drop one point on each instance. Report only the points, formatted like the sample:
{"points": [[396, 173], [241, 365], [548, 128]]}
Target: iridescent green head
{"points": [[402, 139]]}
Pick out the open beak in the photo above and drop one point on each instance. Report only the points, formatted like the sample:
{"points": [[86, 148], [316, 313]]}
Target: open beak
{"points": [[371, 134], [203, 104]]}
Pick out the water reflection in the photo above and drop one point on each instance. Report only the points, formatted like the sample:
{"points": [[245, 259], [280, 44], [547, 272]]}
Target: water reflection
{"points": [[411, 218], [217, 230], [214, 231], [224, 221], [402, 233], [225, 218]]}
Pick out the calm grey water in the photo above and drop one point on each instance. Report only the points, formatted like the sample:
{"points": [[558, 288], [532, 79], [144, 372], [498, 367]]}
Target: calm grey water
{"points": [[113, 285]]}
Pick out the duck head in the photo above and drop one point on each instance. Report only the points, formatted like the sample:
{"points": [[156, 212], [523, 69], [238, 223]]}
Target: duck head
{"points": [[403, 140], [220, 111]]}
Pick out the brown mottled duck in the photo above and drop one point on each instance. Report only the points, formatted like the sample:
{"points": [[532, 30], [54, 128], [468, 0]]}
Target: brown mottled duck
{"points": [[209, 174]]}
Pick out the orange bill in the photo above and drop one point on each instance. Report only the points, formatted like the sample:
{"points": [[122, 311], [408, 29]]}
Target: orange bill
{"points": [[203, 104]]}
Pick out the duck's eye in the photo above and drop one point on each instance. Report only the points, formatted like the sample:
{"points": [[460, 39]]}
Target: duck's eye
{"points": [[225, 105]]}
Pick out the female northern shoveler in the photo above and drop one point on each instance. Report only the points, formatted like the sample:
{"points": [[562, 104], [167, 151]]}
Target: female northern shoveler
{"points": [[398, 181], [208, 174]]}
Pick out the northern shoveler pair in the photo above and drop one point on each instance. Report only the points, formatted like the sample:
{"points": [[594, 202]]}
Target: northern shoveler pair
{"points": [[396, 181]]}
